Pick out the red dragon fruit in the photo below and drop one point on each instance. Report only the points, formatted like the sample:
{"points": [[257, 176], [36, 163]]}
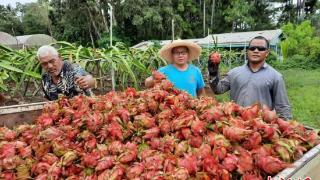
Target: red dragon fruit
{"points": [[189, 162], [7, 175], [157, 75], [270, 164], [210, 165], [198, 127], [154, 143], [245, 162], [164, 126], [181, 148], [135, 170], [236, 134], [184, 120], [154, 162], [170, 163], [211, 115], [219, 152], [25, 151], [40, 168], [267, 115], [195, 141], [90, 144], [115, 131], [252, 176], [152, 133], [215, 57], [51, 133], [203, 151], [186, 133], [180, 173], [49, 158], [104, 163], [91, 160], [250, 112], [7, 134], [130, 153], [230, 162], [45, 120], [7, 150], [252, 141], [145, 121], [68, 158]]}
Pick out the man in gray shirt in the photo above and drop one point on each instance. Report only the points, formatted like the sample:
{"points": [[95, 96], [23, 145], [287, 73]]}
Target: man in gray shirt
{"points": [[253, 82]]}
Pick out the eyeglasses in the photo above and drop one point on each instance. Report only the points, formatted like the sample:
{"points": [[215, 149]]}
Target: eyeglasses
{"points": [[260, 48], [176, 53]]}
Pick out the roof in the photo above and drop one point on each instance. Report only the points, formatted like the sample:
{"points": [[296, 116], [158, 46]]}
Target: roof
{"points": [[225, 39], [241, 37], [7, 39], [35, 40]]}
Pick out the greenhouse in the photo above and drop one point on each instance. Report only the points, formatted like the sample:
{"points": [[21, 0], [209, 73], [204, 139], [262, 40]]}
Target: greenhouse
{"points": [[35, 40], [7, 40]]}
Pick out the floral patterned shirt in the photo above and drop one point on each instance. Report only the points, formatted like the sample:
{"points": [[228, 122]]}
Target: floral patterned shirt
{"points": [[66, 85]]}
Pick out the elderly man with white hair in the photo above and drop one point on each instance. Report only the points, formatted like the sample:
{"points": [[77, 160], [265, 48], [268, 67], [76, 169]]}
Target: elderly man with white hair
{"points": [[62, 77]]}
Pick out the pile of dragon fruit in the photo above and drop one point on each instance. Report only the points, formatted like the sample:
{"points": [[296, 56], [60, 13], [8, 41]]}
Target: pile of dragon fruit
{"points": [[158, 133]]}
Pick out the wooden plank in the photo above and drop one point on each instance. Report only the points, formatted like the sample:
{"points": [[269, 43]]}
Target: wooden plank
{"points": [[11, 116], [307, 166], [311, 169], [14, 119], [21, 108]]}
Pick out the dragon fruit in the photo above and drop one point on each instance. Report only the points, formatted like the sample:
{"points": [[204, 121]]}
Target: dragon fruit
{"points": [[158, 133]]}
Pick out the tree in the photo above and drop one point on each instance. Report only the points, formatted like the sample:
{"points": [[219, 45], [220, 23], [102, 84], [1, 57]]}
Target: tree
{"points": [[80, 21], [238, 13], [35, 18], [9, 22], [301, 40], [261, 12]]}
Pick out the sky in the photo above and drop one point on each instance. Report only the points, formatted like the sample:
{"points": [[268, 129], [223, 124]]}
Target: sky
{"points": [[13, 2]]}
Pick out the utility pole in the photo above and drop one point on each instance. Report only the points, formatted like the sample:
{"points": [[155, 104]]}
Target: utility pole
{"points": [[113, 82], [204, 18], [212, 12], [172, 26]]}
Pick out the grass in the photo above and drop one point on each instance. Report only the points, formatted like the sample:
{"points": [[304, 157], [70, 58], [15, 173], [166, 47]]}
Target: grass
{"points": [[303, 87]]}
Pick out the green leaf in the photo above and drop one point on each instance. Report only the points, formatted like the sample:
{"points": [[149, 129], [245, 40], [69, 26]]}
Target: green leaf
{"points": [[9, 67], [32, 74]]}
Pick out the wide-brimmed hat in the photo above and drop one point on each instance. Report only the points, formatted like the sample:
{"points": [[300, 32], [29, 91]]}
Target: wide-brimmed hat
{"points": [[193, 48]]}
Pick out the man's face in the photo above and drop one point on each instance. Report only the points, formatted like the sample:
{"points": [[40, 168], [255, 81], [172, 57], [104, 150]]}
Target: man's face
{"points": [[257, 51], [180, 55], [51, 64]]}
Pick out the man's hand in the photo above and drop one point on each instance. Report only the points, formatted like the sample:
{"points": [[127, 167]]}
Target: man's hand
{"points": [[149, 82], [213, 63], [84, 82]]}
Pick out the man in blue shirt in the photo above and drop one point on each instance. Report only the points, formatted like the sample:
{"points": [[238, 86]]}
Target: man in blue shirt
{"points": [[183, 75]]}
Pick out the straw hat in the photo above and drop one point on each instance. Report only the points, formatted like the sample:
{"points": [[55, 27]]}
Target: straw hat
{"points": [[166, 51]]}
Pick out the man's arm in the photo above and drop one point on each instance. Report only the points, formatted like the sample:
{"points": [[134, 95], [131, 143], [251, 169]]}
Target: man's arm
{"points": [[218, 86], [281, 101], [86, 82], [201, 92], [82, 78]]}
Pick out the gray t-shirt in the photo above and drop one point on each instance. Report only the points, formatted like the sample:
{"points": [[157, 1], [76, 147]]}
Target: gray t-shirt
{"points": [[266, 86]]}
